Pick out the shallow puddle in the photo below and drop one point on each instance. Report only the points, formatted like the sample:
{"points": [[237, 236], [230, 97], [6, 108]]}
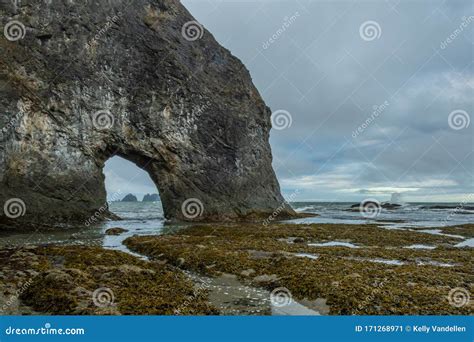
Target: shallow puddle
{"points": [[420, 247], [395, 262], [333, 244], [466, 243], [434, 263], [306, 255], [382, 261], [231, 297], [438, 232]]}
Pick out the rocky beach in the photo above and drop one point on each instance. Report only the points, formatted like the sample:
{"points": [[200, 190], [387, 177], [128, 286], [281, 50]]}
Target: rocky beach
{"points": [[209, 221], [324, 269]]}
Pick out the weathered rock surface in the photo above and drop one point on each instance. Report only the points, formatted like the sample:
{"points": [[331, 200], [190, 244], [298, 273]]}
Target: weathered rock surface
{"points": [[90, 80]]}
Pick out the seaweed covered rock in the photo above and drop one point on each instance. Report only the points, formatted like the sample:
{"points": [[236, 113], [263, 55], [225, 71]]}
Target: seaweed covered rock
{"points": [[79, 280], [115, 231], [378, 278], [81, 82]]}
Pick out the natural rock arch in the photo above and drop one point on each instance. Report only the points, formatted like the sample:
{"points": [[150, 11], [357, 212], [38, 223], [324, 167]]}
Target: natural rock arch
{"points": [[91, 80]]}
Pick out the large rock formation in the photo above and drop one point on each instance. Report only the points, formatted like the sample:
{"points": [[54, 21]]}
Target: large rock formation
{"points": [[151, 198], [129, 198], [81, 82]]}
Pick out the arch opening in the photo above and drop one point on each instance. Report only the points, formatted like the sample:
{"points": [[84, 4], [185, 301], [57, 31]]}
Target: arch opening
{"points": [[131, 193]]}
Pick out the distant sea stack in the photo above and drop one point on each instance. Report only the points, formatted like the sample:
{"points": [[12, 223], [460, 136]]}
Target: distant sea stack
{"points": [[151, 198], [129, 198]]}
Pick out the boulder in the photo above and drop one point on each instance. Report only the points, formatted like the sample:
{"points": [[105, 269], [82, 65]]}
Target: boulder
{"points": [[115, 231]]}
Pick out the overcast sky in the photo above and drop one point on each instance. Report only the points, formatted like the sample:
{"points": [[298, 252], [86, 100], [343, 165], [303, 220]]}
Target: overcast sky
{"points": [[369, 86]]}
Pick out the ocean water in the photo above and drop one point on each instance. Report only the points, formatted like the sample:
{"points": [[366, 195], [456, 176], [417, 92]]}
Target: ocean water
{"points": [[150, 214], [147, 218], [406, 216]]}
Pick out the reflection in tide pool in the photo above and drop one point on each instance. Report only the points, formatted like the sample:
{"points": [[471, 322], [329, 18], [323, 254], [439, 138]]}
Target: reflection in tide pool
{"points": [[333, 244]]}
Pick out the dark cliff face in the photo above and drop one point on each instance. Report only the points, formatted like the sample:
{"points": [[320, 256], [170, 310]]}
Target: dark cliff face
{"points": [[83, 81]]}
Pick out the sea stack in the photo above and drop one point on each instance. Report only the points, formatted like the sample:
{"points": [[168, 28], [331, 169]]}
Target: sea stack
{"points": [[129, 198], [85, 81], [151, 198]]}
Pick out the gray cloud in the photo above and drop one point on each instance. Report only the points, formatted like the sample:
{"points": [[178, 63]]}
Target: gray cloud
{"points": [[321, 71]]}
